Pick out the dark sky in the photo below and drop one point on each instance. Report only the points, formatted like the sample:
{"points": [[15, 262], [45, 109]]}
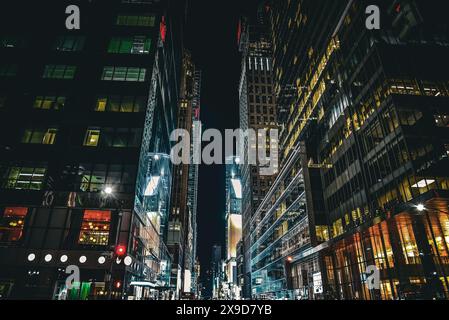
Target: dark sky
{"points": [[212, 38]]}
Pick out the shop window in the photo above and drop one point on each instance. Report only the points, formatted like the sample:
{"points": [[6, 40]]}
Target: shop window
{"points": [[59, 72], [49, 102], [25, 178], [11, 224], [40, 136], [92, 138], [70, 43], [95, 228]]}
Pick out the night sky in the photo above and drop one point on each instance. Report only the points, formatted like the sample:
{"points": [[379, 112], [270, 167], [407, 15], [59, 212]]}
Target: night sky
{"points": [[212, 38]]}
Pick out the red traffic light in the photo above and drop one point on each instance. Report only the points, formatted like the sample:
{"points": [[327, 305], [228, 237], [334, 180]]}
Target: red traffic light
{"points": [[120, 251]]}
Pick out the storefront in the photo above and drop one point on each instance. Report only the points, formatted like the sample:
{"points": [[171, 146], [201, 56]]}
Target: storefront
{"points": [[410, 251]]}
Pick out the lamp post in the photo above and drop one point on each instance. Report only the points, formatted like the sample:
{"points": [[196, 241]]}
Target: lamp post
{"points": [[118, 249], [424, 211]]}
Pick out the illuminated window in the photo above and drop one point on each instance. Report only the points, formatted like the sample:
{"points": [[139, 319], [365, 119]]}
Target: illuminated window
{"points": [[25, 178], [40, 136], [136, 21], [92, 138], [95, 228], [120, 104], [59, 72], [11, 224], [69, 43], [124, 74], [100, 106], [8, 70], [49, 102], [130, 45]]}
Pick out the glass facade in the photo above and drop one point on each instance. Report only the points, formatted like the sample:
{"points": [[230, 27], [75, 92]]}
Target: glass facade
{"points": [[369, 128]]}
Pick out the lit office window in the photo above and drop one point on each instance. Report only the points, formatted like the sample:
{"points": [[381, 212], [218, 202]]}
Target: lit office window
{"points": [[123, 74], [69, 43], [59, 72], [8, 70], [40, 136], [25, 178], [125, 104], [11, 224], [130, 45], [92, 138], [95, 228], [49, 102], [147, 20]]}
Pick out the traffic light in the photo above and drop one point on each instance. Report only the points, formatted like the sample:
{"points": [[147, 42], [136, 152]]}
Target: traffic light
{"points": [[120, 251]]}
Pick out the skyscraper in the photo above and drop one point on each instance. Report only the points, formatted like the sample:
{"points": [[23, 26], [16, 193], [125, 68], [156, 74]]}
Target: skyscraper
{"points": [[257, 111], [85, 177], [182, 224], [233, 221], [364, 143]]}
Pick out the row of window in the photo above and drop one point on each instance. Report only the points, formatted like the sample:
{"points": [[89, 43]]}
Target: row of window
{"points": [[67, 72], [103, 103], [131, 45], [68, 43], [24, 178], [129, 74], [144, 20], [110, 137], [82, 177], [113, 137], [95, 226]]}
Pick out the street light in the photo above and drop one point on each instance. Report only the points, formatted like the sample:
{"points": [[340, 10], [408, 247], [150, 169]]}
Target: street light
{"points": [[108, 190], [420, 207]]}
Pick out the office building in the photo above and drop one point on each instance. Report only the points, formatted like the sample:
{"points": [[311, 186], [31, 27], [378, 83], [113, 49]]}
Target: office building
{"points": [[257, 112], [86, 176], [364, 142], [181, 238]]}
